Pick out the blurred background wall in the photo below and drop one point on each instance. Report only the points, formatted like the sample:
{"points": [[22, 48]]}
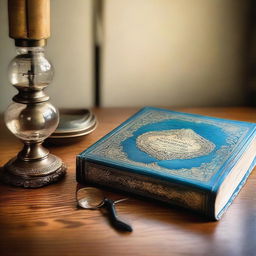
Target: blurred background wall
{"points": [[69, 48], [153, 52], [174, 52]]}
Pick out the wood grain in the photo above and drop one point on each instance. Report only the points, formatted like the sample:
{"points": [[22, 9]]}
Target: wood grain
{"points": [[46, 221]]}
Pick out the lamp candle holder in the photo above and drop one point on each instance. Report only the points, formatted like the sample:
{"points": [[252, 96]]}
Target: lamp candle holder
{"points": [[32, 119]]}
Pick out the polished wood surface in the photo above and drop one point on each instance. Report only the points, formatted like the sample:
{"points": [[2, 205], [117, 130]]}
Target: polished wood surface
{"points": [[46, 221]]}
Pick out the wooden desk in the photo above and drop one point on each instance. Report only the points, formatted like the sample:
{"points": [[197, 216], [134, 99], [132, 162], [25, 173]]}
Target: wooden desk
{"points": [[46, 221]]}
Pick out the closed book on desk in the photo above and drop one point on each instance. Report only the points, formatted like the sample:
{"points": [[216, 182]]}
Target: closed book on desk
{"points": [[193, 161]]}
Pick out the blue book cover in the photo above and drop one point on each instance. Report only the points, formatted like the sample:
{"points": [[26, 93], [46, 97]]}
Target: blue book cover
{"points": [[194, 161]]}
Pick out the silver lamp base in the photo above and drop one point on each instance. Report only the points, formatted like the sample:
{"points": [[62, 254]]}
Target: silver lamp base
{"points": [[32, 119], [33, 174]]}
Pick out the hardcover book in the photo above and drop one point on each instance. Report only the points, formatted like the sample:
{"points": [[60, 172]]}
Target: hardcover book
{"points": [[189, 160]]}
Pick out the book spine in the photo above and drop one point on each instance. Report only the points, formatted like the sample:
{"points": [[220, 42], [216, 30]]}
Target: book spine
{"points": [[165, 191]]}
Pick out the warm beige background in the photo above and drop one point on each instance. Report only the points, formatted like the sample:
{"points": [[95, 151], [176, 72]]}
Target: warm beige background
{"points": [[69, 48], [174, 52], [155, 52], [7, 52]]}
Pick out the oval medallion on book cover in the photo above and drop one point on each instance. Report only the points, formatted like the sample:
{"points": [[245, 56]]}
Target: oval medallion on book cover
{"points": [[174, 144]]}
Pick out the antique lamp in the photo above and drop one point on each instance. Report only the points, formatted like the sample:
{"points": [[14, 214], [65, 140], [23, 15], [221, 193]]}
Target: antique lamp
{"points": [[31, 117]]}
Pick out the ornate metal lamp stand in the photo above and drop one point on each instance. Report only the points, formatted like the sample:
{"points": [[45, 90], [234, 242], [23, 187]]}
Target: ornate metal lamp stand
{"points": [[31, 117]]}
